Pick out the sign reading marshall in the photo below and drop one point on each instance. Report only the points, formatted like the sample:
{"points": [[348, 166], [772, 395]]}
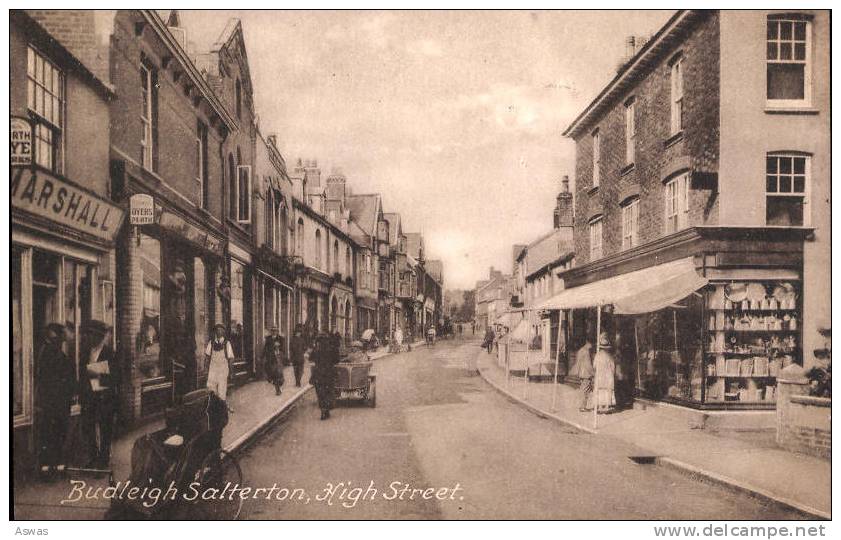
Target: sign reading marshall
{"points": [[42, 194]]}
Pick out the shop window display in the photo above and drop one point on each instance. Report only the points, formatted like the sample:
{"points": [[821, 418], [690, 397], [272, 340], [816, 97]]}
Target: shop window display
{"points": [[237, 307], [753, 332], [17, 334]]}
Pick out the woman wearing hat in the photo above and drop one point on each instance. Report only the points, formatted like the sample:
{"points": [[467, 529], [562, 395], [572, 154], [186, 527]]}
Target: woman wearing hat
{"points": [[217, 356], [100, 382], [605, 367], [273, 360]]}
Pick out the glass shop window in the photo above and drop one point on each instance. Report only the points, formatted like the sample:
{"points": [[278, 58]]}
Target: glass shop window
{"points": [[148, 340], [237, 308], [202, 308], [17, 334]]}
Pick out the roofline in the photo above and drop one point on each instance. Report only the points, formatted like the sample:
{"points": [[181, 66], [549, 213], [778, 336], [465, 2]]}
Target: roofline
{"points": [[324, 221], [566, 257], [82, 69], [163, 32], [629, 70]]}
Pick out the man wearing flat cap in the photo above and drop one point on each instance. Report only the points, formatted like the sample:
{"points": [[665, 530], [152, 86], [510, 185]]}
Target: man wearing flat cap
{"points": [[100, 376]]}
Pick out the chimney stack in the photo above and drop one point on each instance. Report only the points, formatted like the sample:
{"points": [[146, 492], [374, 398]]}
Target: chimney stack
{"points": [[564, 208]]}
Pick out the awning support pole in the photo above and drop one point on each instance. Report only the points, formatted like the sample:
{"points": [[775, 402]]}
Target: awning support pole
{"points": [[557, 358], [528, 353], [596, 369]]}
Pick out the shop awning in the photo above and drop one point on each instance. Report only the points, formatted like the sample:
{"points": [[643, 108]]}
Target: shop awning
{"points": [[642, 291], [521, 332]]}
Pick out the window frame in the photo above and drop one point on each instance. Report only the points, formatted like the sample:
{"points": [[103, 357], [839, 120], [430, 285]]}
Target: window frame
{"points": [[630, 219], [676, 203], [243, 218], [53, 125], [201, 163], [804, 195], [677, 94], [147, 116], [596, 225], [597, 158], [630, 131], [806, 62]]}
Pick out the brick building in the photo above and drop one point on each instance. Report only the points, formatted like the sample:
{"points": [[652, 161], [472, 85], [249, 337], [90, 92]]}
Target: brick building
{"points": [[702, 176], [63, 224], [167, 132]]}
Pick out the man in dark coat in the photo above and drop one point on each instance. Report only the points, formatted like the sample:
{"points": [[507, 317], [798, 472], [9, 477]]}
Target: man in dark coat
{"points": [[100, 382], [298, 347], [324, 356], [55, 384]]}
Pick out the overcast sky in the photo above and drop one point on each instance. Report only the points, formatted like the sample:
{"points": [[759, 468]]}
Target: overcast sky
{"points": [[454, 117]]}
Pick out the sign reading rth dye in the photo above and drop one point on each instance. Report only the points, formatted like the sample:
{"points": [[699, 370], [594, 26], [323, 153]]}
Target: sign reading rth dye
{"points": [[20, 142], [141, 209], [50, 197]]}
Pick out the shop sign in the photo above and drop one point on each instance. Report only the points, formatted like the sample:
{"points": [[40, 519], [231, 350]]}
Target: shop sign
{"points": [[141, 209], [57, 200], [20, 142], [190, 233]]}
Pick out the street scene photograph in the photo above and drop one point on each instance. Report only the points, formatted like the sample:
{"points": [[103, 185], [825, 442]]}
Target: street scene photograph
{"points": [[383, 265]]}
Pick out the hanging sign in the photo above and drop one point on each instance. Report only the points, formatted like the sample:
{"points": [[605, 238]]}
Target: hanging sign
{"points": [[141, 209], [20, 142]]}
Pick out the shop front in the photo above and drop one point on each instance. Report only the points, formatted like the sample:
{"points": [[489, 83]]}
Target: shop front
{"points": [[709, 326], [314, 288], [366, 314], [169, 301], [241, 313], [276, 281], [62, 272]]}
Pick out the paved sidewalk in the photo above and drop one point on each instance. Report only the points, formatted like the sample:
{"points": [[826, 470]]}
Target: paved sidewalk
{"points": [[746, 461], [255, 407]]}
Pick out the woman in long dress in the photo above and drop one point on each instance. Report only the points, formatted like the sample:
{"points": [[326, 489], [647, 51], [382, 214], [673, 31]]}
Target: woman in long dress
{"points": [[605, 366]]}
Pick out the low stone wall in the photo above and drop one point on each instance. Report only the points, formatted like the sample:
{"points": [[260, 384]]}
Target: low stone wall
{"points": [[803, 421]]}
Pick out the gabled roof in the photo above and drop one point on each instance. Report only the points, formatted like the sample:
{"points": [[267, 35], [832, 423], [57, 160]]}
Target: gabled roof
{"points": [[364, 210], [394, 227], [414, 244], [435, 268], [232, 39], [547, 249]]}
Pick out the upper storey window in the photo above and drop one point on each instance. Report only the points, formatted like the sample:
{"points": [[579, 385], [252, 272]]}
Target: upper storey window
{"points": [[677, 96], [596, 158], [789, 47], [45, 98], [630, 131]]}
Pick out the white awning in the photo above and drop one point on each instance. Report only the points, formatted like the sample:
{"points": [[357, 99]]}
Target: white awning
{"points": [[642, 291]]}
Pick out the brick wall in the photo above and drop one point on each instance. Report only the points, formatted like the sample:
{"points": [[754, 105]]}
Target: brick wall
{"points": [[697, 148], [803, 422], [177, 115]]}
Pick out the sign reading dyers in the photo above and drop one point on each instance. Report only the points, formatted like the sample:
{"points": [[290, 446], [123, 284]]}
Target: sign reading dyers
{"points": [[55, 199], [20, 142], [141, 209]]}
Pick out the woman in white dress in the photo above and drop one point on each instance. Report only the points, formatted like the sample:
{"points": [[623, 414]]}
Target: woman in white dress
{"points": [[605, 367]]}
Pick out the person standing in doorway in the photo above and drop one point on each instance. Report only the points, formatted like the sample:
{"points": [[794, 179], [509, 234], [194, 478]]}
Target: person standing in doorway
{"points": [[398, 340], [54, 388], [217, 357], [298, 348], [584, 365], [100, 383]]}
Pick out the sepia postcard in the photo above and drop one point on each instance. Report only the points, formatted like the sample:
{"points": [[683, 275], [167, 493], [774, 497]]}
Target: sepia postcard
{"points": [[384, 265]]}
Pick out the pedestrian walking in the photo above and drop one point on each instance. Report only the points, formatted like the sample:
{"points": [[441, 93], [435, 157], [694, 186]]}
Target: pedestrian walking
{"points": [[273, 361], [430, 335], [488, 342], [217, 358], [398, 340], [473, 328], [324, 357], [298, 347], [55, 385], [100, 383], [584, 368], [605, 367]]}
